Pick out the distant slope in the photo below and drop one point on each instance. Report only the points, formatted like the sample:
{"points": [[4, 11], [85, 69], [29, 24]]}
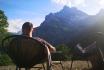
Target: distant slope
{"points": [[67, 26]]}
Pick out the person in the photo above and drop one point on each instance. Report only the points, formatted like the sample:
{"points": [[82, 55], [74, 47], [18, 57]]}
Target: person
{"points": [[27, 29]]}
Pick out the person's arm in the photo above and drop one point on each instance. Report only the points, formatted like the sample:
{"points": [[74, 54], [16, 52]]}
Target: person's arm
{"points": [[51, 48]]}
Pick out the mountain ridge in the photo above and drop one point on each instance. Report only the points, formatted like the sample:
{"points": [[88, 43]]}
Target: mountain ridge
{"points": [[67, 26]]}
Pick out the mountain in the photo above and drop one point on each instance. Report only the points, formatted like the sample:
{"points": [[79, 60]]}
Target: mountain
{"points": [[66, 26]]}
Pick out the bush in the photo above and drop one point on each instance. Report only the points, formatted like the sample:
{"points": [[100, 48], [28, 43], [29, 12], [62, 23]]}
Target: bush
{"points": [[5, 60], [65, 50]]}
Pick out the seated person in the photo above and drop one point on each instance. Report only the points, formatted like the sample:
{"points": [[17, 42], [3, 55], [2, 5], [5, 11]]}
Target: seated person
{"points": [[27, 29]]}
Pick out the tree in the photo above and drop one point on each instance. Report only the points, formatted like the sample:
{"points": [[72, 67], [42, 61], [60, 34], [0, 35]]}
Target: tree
{"points": [[3, 26], [4, 59], [3, 22]]}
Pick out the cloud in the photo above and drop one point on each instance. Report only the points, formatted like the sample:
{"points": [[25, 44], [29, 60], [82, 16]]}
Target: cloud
{"points": [[15, 25], [101, 2], [91, 7], [69, 3], [63, 2]]}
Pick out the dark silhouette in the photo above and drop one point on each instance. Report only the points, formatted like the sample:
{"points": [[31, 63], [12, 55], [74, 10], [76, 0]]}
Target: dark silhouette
{"points": [[26, 51], [27, 30]]}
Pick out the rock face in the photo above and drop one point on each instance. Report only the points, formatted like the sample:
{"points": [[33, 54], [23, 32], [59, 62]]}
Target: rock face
{"points": [[68, 25]]}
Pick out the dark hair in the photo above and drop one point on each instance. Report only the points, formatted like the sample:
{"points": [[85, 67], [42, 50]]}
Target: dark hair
{"points": [[27, 25]]}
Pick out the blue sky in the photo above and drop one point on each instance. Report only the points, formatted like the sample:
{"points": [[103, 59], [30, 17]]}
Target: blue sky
{"points": [[20, 11]]}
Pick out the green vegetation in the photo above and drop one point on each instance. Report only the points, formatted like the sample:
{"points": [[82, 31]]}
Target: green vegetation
{"points": [[3, 26], [4, 59], [65, 50]]}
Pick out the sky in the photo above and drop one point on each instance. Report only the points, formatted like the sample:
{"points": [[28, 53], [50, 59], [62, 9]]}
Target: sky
{"points": [[20, 11]]}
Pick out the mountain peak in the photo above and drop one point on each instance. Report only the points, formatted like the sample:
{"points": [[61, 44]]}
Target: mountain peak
{"points": [[66, 26], [66, 8], [101, 12], [66, 15]]}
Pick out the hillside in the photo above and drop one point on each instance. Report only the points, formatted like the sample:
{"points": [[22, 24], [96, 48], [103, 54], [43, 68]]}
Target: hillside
{"points": [[69, 25]]}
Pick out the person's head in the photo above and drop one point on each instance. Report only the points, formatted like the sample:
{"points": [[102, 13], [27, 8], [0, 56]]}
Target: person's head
{"points": [[27, 28]]}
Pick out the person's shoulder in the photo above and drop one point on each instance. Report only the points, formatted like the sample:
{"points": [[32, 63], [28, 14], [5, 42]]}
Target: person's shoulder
{"points": [[38, 38]]}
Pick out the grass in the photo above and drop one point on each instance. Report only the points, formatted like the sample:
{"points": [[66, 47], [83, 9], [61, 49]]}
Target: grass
{"points": [[77, 65]]}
